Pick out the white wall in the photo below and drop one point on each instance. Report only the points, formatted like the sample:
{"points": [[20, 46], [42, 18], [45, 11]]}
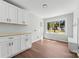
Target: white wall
{"points": [[5, 28], [68, 28]]}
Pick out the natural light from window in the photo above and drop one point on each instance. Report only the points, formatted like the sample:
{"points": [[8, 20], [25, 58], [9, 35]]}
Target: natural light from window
{"points": [[56, 27]]}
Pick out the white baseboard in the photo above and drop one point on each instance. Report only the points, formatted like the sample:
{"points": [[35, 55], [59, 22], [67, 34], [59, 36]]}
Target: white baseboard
{"points": [[57, 40], [35, 40]]}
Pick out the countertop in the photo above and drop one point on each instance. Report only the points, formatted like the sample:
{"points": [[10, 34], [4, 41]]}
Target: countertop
{"points": [[12, 34]]}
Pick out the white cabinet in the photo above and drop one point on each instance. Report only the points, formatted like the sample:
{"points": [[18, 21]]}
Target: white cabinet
{"points": [[26, 42], [23, 42], [3, 11], [12, 14], [76, 30], [9, 46], [4, 49], [8, 12], [12, 11], [14, 44], [75, 26], [20, 16], [74, 42], [24, 17], [72, 46]]}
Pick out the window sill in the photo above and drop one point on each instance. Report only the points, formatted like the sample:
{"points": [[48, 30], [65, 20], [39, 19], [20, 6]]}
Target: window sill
{"points": [[56, 33]]}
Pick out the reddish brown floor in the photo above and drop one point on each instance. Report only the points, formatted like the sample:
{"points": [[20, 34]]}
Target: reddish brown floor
{"points": [[47, 49]]}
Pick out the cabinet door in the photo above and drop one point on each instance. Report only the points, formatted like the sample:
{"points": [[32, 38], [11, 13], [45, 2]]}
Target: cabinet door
{"points": [[20, 16], [4, 45], [3, 11], [14, 47], [25, 42], [28, 41], [12, 14], [24, 17], [18, 41], [4, 49], [15, 44]]}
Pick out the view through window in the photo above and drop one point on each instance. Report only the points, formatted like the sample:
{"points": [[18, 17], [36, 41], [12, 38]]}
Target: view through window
{"points": [[56, 26]]}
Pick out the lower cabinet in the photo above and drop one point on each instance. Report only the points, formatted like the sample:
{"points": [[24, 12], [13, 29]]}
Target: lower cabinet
{"points": [[9, 46], [25, 42], [12, 45], [4, 50], [15, 44]]}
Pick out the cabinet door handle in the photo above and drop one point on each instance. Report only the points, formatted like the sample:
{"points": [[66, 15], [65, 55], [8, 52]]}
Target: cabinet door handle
{"points": [[26, 39], [9, 44], [23, 22], [11, 38], [7, 19], [12, 43]]}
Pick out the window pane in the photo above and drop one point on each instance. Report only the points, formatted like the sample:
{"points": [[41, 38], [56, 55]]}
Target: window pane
{"points": [[56, 26]]}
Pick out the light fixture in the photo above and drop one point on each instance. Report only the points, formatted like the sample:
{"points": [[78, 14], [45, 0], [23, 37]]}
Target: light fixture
{"points": [[44, 5]]}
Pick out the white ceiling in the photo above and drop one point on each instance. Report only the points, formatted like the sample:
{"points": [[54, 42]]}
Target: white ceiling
{"points": [[55, 7]]}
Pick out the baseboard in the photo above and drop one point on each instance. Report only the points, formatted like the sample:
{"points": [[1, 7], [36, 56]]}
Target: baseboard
{"points": [[35, 40], [57, 40]]}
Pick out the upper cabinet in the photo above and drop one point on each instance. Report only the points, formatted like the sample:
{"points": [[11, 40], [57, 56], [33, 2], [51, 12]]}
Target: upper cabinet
{"points": [[12, 11], [3, 11], [20, 16], [24, 17], [12, 14]]}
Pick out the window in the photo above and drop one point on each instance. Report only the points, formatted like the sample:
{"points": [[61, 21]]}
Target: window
{"points": [[56, 26]]}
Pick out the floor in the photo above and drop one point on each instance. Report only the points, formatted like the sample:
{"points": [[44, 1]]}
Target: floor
{"points": [[47, 49]]}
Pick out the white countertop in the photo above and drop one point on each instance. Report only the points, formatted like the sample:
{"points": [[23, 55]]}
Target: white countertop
{"points": [[12, 34]]}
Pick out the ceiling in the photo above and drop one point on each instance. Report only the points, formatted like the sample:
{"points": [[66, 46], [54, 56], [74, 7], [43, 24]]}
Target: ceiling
{"points": [[55, 7]]}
